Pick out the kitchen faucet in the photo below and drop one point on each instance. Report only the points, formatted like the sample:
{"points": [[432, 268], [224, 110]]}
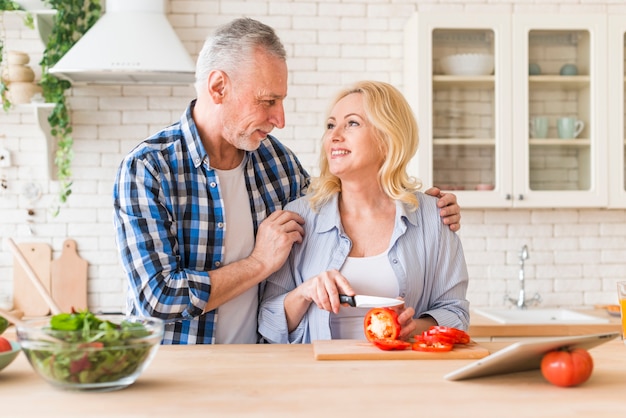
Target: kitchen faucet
{"points": [[521, 301]]}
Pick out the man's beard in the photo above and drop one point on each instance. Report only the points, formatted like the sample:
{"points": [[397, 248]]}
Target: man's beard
{"points": [[244, 142]]}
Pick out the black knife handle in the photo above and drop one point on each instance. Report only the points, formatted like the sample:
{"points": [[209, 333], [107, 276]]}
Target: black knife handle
{"points": [[347, 299]]}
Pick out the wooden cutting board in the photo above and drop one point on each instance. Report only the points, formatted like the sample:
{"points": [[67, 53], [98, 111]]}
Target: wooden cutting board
{"points": [[364, 350], [26, 298], [68, 285]]}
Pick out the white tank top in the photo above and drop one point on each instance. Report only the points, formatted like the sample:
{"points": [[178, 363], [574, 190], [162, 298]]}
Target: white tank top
{"points": [[237, 318], [367, 276]]}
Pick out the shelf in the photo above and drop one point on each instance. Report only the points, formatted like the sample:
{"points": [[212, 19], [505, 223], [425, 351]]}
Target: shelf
{"points": [[33, 6], [563, 82], [43, 16], [549, 142], [472, 142], [459, 81], [42, 111], [543, 142]]}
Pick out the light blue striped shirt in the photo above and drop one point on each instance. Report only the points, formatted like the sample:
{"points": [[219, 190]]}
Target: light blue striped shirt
{"points": [[426, 257]]}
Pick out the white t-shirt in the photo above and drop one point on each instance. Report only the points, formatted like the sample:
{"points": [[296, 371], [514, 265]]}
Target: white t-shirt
{"points": [[237, 319], [367, 276]]}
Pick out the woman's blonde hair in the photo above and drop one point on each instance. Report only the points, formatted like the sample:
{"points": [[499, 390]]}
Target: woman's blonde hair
{"points": [[395, 131]]}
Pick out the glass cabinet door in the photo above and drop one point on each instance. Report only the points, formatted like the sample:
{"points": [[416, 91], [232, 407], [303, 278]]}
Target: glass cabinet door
{"points": [[617, 109], [559, 149], [559, 105], [458, 78], [463, 117]]}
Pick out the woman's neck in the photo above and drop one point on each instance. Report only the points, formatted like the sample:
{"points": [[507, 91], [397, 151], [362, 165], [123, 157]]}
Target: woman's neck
{"points": [[367, 218], [363, 200]]}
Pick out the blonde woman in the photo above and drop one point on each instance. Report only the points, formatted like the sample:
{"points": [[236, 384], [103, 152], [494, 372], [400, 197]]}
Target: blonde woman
{"points": [[368, 230]]}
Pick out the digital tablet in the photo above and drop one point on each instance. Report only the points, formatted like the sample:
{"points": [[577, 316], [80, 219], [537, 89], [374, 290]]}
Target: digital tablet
{"points": [[526, 355]]}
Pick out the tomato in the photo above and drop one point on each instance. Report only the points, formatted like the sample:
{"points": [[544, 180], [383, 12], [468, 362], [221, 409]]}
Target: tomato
{"points": [[381, 323], [5, 345], [429, 345], [388, 344], [567, 367], [456, 335]]}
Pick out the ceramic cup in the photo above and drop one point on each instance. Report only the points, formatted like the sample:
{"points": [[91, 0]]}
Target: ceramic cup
{"points": [[534, 69], [569, 69], [569, 127], [539, 127]]}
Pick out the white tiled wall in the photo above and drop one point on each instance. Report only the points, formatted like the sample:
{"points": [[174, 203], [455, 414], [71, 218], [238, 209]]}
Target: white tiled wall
{"points": [[575, 255]]}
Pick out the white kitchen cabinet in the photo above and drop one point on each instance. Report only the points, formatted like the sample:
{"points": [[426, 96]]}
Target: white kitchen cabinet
{"points": [[474, 130], [617, 117]]}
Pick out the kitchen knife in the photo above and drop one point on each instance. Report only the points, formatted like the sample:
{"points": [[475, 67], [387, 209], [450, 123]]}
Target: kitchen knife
{"points": [[365, 301]]}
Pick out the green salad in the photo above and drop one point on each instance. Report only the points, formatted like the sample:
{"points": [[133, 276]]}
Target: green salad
{"points": [[4, 324], [91, 350]]}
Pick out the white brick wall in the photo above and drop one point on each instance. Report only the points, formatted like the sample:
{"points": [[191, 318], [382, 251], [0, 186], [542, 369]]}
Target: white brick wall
{"points": [[575, 255]]}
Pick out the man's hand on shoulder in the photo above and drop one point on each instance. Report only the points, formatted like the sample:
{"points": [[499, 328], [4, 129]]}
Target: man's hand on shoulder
{"points": [[450, 210]]}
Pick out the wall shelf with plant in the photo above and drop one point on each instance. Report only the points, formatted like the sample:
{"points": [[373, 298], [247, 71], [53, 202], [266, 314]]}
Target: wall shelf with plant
{"points": [[59, 30]]}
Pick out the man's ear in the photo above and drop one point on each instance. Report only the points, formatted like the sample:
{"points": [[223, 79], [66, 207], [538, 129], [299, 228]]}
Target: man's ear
{"points": [[216, 84]]}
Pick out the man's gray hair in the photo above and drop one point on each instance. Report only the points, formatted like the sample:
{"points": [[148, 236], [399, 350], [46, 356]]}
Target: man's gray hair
{"points": [[232, 45]]}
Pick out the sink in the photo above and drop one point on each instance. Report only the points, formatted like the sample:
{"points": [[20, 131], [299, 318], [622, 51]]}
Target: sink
{"points": [[538, 316]]}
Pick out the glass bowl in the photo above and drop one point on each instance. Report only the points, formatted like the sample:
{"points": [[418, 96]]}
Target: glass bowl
{"points": [[7, 357], [109, 358]]}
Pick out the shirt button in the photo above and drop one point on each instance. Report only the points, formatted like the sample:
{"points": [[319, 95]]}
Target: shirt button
{"points": [[212, 184], [218, 263], [395, 261], [220, 224], [198, 160]]}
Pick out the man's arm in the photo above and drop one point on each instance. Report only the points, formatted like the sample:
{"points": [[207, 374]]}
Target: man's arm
{"points": [[275, 237]]}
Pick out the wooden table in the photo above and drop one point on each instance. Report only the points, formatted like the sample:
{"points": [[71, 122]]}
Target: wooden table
{"points": [[286, 381]]}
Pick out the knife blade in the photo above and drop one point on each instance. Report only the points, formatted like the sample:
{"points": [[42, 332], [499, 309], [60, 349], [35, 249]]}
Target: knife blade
{"points": [[366, 301]]}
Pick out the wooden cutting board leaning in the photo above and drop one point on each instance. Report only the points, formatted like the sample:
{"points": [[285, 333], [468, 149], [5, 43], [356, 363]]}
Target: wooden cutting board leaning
{"points": [[364, 350], [68, 280], [65, 278], [26, 298]]}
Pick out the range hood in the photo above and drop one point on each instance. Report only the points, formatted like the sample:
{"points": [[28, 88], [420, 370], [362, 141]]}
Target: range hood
{"points": [[131, 43]]}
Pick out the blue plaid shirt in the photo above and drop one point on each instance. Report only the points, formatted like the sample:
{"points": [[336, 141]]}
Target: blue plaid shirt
{"points": [[168, 213]]}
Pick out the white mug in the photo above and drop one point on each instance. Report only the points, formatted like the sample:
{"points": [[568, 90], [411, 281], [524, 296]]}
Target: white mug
{"points": [[569, 127]]}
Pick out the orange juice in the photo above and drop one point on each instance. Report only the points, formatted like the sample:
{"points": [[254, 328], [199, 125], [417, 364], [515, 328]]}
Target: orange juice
{"points": [[622, 303], [621, 295]]}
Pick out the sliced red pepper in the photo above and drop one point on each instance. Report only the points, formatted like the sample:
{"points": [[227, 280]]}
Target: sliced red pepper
{"points": [[421, 344], [458, 336], [437, 338], [389, 344], [381, 323]]}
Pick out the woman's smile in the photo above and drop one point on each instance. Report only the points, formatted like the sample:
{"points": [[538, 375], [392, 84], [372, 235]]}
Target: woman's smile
{"points": [[338, 152]]}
